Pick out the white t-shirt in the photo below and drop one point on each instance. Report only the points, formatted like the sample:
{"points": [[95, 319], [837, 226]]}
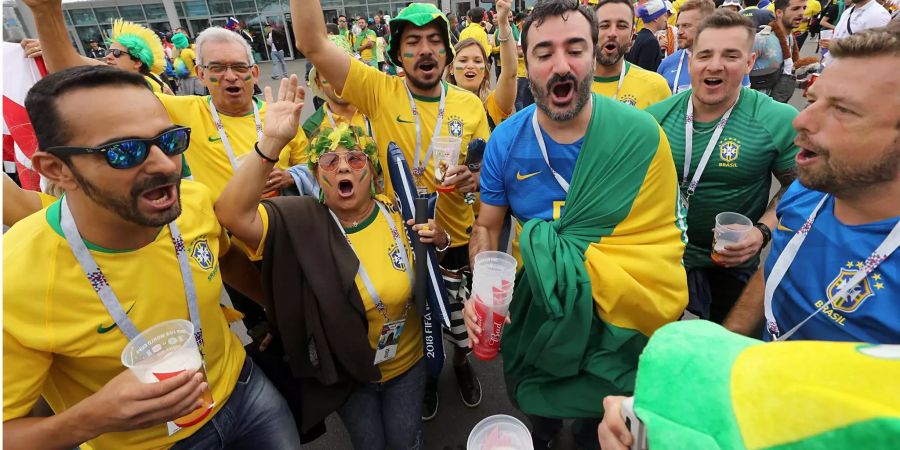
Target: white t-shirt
{"points": [[856, 19]]}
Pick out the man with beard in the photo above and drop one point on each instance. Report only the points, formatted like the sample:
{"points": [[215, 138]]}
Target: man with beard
{"points": [[226, 124], [862, 15], [411, 112], [593, 183], [833, 272], [130, 245], [675, 68], [727, 143], [614, 77], [781, 84]]}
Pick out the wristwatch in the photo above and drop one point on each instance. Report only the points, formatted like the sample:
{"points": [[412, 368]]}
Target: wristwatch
{"points": [[766, 233]]}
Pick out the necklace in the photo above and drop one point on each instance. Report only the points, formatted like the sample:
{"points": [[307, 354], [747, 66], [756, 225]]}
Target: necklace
{"points": [[364, 216]]}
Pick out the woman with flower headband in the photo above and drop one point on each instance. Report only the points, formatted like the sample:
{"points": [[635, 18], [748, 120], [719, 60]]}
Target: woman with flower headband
{"points": [[337, 273]]}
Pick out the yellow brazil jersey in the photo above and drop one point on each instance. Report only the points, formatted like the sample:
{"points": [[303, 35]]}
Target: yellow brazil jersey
{"points": [[46, 199], [813, 7], [59, 341], [188, 56], [206, 156], [640, 88], [383, 99], [153, 84], [375, 247], [367, 55], [476, 31], [494, 111]]}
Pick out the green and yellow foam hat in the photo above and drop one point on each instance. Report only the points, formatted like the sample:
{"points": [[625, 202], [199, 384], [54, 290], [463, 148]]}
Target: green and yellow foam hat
{"points": [[141, 43], [417, 15]]}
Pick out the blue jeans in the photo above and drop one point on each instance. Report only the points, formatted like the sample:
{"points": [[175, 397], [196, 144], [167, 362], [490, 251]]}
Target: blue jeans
{"points": [[523, 93], [387, 415], [255, 417], [278, 61]]}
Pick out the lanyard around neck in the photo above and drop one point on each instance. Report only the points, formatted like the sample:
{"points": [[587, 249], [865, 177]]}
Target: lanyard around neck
{"points": [[678, 72], [419, 163], [101, 284], [779, 269], [540, 140], [621, 78], [224, 135], [364, 276], [689, 146]]}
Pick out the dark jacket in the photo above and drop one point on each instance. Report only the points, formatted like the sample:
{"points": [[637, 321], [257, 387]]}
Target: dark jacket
{"points": [[646, 52], [309, 273]]}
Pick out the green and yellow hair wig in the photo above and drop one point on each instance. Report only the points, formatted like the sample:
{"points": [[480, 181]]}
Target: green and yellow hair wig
{"points": [[141, 42]]}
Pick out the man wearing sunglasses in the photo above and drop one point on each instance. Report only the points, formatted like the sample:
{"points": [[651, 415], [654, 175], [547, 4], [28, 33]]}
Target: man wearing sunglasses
{"points": [[225, 124], [128, 246]]}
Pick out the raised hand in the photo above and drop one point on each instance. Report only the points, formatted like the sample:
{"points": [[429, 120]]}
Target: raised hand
{"points": [[283, 115], [503, 11]]}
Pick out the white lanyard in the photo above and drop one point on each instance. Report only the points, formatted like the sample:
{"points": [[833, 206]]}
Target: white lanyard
{"points": [[678, 72], [334, 124], [540, 140], [364, 276], [101, 285], [419, 164], [884, 250], [224, 135], [689, 145], [621, 78]]}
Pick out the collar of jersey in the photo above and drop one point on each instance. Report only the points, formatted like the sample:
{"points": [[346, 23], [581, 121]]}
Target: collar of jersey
{"points": [[53, 219], [423, 98], [365, 223], [615, 78], [255, 100]]}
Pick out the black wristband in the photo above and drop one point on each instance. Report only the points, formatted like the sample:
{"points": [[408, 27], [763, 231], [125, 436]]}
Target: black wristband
{"points": [[766, 233], [262, 155]]}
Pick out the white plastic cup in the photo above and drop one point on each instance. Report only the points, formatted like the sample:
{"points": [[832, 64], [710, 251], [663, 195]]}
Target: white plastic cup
{"points": [[446, 156], [731, 228], [166, 350], [499, 432], [826, 35]]}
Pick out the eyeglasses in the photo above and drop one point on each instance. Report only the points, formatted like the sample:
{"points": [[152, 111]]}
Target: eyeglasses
{"points": [[118, 53], [219, 69], [129, 153], [329, 161]]}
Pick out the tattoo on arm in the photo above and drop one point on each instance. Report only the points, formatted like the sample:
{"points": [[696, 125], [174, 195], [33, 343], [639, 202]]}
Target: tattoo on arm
{"points": [[785, 177]]}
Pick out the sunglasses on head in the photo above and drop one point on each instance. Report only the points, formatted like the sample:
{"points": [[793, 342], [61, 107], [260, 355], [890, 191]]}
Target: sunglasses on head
{"points": [[356, 160], [129, 153], [118, 53]]}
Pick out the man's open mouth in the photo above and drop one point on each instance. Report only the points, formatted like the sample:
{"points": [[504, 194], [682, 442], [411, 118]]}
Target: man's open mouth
{"points": [[233, 89], [713, 81], [161, 197], [562, 92]]}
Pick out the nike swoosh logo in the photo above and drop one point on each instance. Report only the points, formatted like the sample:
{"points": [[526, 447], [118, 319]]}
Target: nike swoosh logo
{"points": [[783, 228], [399, 120], [214, 139], [101, 329], [521, 177]]}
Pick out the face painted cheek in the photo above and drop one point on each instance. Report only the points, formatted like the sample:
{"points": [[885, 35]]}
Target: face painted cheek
{"points": [[248, 78], [363, 174], [327, 179], [213, 80], [442, 52]]}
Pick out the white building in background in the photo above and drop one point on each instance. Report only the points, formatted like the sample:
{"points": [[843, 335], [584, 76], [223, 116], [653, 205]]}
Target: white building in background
{"points": [[92, 19]]}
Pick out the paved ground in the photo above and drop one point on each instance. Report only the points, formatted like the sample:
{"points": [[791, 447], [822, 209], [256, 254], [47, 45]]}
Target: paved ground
{"points": [[450, 429]]}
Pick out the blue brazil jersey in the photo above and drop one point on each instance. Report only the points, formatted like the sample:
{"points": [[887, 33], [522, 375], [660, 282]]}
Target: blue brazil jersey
{"points": [[514, 172], [831, 255], [668, 68]]}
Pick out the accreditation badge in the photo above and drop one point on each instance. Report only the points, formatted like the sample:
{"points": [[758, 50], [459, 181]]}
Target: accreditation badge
{"points": [[388, 341]]}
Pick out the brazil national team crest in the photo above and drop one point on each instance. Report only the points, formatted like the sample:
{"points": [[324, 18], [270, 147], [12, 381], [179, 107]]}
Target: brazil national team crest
{"points": [[628, 99], [201, 254], [729, 149], [456, 126], [396, 258], [868, 287]]}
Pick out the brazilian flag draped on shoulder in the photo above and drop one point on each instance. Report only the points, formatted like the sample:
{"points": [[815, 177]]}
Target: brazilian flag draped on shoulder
{"points": [[700, 386], [602, 278]]}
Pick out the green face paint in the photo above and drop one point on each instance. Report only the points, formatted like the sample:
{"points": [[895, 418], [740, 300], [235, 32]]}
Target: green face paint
{"points": [[408, 56], [213, 80], [248, 77], [363, 174], [442, 52], [325, 179]]}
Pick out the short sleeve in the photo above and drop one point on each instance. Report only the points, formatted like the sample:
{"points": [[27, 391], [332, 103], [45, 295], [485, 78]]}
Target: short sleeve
{"points": [[24, 372], [783, 134], [493, 190], [297, 149], [256, 254], [496, 113], [363, 85]]}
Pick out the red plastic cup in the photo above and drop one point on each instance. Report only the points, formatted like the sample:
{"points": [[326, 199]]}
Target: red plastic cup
{"points": [[491, 319]]}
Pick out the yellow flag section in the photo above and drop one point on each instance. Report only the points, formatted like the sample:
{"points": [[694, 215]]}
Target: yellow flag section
{"points": [[836, 395], [625, 267], [384, 100], [206, 156]]}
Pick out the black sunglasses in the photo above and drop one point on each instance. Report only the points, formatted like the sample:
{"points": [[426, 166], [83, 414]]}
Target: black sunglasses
{"points": [[119, 53], [129, 153]]}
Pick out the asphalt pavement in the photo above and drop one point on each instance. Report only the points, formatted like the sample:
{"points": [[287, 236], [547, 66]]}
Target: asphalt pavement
{"points": [[450, 429]]}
